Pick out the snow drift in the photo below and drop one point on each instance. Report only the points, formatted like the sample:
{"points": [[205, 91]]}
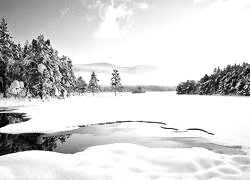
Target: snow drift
{"points": [[125, 161]]}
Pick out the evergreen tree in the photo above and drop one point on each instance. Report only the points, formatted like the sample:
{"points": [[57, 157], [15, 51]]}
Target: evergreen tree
{"points": [[6, 57], [46, 73], [68, 78], [36, 66], [232, 80], [15, 66], [40, 83], [188, 87], [81, 85], [93, 84], [116, 82]]}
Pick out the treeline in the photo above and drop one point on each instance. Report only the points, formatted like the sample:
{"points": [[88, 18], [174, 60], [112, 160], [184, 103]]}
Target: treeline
{"points": [[93, 86], [34, 69], [131, 88], [232, 80]]}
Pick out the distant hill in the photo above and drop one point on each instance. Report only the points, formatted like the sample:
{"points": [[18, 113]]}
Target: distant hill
{"points": [[107, 68], [134, 75]]}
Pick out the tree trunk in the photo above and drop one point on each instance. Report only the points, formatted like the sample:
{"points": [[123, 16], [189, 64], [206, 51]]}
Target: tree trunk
{"points": [[41, 91], [115, 93], [4, 85]]}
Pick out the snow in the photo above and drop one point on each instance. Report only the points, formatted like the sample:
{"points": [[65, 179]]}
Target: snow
{"points": [[41, 68], [15, 87], [226, 117], [125, 161]]}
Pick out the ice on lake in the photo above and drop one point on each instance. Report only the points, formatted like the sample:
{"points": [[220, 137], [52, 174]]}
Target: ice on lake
{"points": [[226, 117], [132, 136]]}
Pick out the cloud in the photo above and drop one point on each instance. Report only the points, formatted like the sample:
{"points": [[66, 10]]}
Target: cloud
{"points": [[143, 5], [64, 12], [218, 35], [114, 16], [201, 1], [116, 22]]}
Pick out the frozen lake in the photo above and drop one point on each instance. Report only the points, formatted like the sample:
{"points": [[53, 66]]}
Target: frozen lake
{"points": [[133, 136], [217, 120]]}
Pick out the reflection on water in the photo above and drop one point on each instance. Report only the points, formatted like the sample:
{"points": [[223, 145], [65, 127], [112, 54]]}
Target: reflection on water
{"points": [[11, 143], [6, 109], [85, 137], [11, 118]]}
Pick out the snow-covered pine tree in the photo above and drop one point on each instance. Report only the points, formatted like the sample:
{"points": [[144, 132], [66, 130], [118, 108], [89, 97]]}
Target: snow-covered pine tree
{"points": [[37, 65], [116, 82], [68, 80], [6, 56], [93, 84], [81, 85]]}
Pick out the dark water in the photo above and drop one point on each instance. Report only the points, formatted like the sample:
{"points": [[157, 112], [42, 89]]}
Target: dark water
{"points": [[104, 133], [6, 117]]}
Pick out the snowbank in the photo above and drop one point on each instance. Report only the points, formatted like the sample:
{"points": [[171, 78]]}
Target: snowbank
{"points": [[123, 162]]}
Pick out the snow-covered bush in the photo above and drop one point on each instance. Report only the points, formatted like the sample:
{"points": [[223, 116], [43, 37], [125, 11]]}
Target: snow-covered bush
{"points": [[57, 92], [41, 68], [21, 84], [16, 87]]}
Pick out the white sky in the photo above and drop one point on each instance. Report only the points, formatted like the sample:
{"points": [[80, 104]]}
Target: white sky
{"points": [[183, 38], [188, 47]]}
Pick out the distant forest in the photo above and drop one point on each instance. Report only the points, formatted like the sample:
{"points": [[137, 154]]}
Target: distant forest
{"points": [[231, 80], [132, 88]]}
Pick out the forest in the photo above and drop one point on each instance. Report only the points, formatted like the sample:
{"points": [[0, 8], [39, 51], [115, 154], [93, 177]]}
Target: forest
{"points": [[231, 80], [34, 69]]}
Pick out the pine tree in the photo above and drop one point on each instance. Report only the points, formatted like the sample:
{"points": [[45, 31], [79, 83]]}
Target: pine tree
{"points": [[80, 85], [36, 66], [6, 57], [116, 82], [68, 80], [39, 74], [93, 84], [15, 64]]}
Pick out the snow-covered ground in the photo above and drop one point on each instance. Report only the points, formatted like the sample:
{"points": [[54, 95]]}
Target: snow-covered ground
{"points": [[123, 162], [226, 117]]}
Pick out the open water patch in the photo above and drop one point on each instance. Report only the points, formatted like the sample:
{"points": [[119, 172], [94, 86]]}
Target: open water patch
{"points": [[126, 132], [11, 143], [104, 133]]}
